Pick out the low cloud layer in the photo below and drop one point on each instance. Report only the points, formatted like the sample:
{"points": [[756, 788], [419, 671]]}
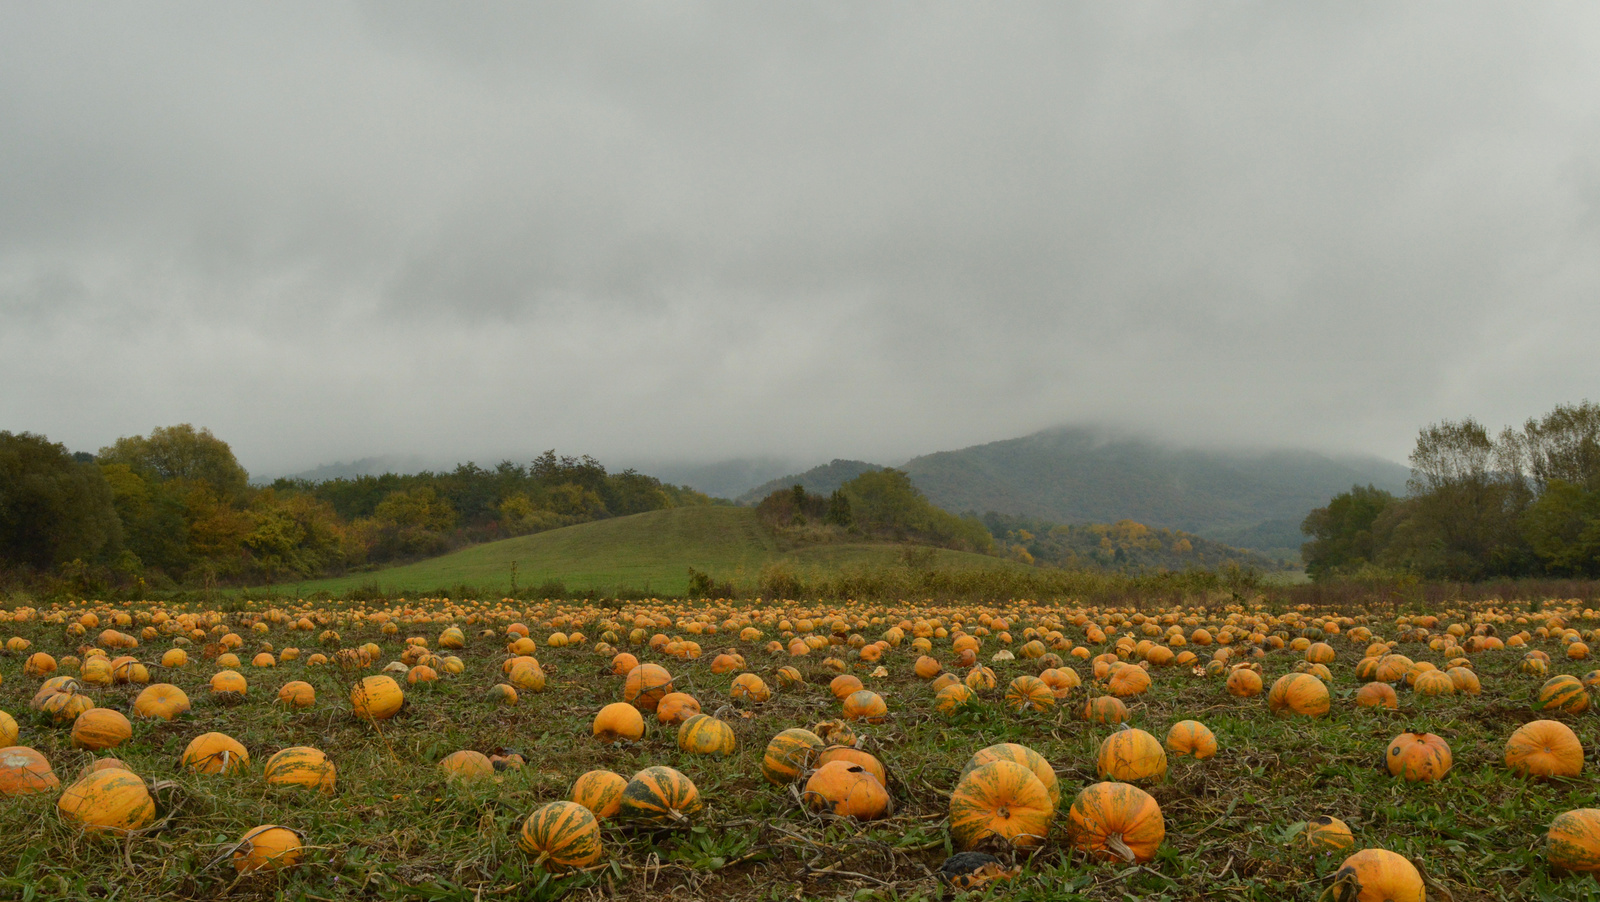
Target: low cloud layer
{"points": [[698, 231]]}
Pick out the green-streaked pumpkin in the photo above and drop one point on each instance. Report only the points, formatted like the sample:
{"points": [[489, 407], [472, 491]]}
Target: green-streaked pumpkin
{"points": [[1327, 834], [789, 752], [1573, 841], [1000, 798], [600, 791], [565, 836], [301, 765], [1019, 754], [1116, 821], [703, 734], [1562, 694], [660, 795], [1029, 693], [112, 800]]}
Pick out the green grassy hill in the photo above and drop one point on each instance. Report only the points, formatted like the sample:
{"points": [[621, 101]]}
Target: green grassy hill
{"points": [[651, 552]]}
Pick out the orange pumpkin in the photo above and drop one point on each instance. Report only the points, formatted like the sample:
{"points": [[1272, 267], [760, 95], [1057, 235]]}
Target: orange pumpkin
{"points": [[1244, 683], [843, 685], [1377, 695], [24, 771], [1298, 693], [1377, 875], [268, 847], [297, 694], [866, 705], [112, 800], [854, 756], [1105, 709], [466, 764], [1116, 821], [645, 686], [1418, 757], [376, 697], [1000, 799], [564, 835], [675, 708], [849, 790], [214, 753], [1191, 738], [1131, 755], [748, 687], [98, 729], [8, 730], [618, 722], [1545, 748]]}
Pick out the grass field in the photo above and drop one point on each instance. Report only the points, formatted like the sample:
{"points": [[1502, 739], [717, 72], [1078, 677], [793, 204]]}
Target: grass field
{"points": [[650, 552], [396, 828]]}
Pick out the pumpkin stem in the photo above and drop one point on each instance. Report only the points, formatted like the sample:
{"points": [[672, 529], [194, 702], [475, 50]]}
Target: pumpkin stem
{"points": [[1114, 843]]}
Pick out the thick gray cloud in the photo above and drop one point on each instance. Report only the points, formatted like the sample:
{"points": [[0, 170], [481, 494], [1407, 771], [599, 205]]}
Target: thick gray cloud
{"points": [[662, 231]]}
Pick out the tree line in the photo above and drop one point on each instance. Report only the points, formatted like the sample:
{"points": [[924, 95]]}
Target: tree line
{"points": [[175, 507], [1521, 503]]}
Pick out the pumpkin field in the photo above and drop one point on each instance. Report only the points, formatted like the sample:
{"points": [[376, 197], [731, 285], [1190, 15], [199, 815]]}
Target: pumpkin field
{"points": [[1214, 748]]}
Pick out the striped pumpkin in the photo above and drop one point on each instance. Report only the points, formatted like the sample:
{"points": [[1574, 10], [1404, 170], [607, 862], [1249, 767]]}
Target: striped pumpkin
{"points": [[565, 836], [703, 734], [214, 753], [1433, 683], [1418, 757], [1193, 739], [1019, 754], [301, 766], [600, 791], [660, 795], [1465, 680], [1327, 834], [112, 800], [1573, 841], [1002, 799], [1029, 693], [1116, 821], [1562, 694], [789, 752]]}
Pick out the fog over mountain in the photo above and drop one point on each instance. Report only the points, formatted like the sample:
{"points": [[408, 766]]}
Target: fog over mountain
{"points": [[683, 233]]}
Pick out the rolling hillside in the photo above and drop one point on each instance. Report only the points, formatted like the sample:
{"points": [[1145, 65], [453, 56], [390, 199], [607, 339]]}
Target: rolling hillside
{"points": [[646, 552], [1253, 500]]}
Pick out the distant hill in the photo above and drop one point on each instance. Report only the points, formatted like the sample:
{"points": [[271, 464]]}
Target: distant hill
{"points": [[1254, 500], [819, 480], [723, 479]]}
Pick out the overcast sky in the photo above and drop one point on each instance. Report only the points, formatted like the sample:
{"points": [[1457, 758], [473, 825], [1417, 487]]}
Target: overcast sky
{"points": [[696, 231]]}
